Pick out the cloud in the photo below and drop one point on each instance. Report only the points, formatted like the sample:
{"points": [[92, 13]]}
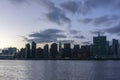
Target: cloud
{"points": [[92, 4], [48, 35], [71, 6], [86, 6], [86, 20], [96, 3], [105, 20], [72, 31], [77, 6], [25, 39], [57, 16], [79, 37], [53, 35], [66, 41], [97, 32], [19, 1], [113, 30], [54, 13], [86, 42]]}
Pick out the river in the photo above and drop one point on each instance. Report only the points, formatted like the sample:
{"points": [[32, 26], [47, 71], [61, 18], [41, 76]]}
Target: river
{"points": [[59, 70]]}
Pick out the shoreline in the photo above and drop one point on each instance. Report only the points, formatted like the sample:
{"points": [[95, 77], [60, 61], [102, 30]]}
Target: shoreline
{"points": [[67, 59]]}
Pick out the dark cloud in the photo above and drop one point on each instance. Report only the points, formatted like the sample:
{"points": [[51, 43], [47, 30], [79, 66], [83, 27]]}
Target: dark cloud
{"points": [[86, 42], [113, 30], [97, 3], [98, 32], [48, 35], [19, 1], [86, 20], [77, 6], [66, 41], [75, 34], [79, 37], [55, 14], [86, 6], [72, 31], [92, 4], [53, 35], [71, 6], [25, 39], [105, 20]]}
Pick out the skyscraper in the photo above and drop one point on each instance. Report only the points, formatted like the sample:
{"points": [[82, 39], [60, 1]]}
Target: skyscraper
{"points": [[75, 52], [33, 50], [46, 51], [67, 51], [27, 50], [60, 50], [53, 51], [115, 46], [99, 46], [39, 53]]}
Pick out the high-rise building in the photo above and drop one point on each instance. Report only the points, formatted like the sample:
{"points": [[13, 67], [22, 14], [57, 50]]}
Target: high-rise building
{"points": [[85, 51], [76, 52], [76, 47], [115, 46], [33, 50], [39, 53], [27, 50], [53, 51], [99, 46], [60, 50], [67, 51], [46, 51]]}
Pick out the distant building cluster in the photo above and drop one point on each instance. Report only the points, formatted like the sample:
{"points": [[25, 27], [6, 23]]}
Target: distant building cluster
{"points": [[8, 53], [100, 49]]}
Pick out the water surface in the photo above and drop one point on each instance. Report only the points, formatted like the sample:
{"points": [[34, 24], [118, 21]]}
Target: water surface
{"points": [[59, 70]]}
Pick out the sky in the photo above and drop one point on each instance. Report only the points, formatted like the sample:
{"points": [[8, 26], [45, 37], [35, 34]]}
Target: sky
{"points": [[46, 21]]}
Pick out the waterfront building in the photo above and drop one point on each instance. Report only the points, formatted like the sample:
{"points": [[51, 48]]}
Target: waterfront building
{"points": [[33, 50], [115, 47], [27, 51], [67, 51], [39, 53], [53, 51], [46, 51], [76, 52], [99, 46]]}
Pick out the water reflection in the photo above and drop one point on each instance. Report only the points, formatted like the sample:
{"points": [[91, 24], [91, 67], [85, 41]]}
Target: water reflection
{"points": [[66, 70], [56, 70], [106, 70], [59, 70], [98, 72]]}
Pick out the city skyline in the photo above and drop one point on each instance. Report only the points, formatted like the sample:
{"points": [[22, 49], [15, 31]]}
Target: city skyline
{"points": [[42, 21], [101, 49]]}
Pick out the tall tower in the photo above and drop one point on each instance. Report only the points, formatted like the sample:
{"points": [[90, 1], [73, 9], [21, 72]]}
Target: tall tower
{"points": [[115, 46], [99, 46], [53, 51], [46, 51], [27, 51], [33, 50], [67, 51], [60, 50]]}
